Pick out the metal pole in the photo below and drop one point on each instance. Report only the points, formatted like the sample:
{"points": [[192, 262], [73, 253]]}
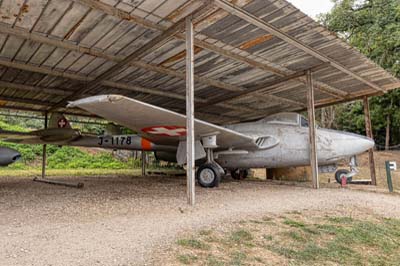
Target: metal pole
{"points": [[44, 149], [312, 131], [389, 176], [143, 163], [368, 130], [190, 112]]}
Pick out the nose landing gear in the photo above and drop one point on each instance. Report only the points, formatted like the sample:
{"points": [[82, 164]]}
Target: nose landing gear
{"points": [[343, 173]]}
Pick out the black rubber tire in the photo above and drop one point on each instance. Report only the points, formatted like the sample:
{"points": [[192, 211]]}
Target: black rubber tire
{"points": [[339, 173], [244, 173], [235, 174], [217, 176], [239, 174]]}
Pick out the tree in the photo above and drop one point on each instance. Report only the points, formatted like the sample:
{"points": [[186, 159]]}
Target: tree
{"points": [[372, 26]]}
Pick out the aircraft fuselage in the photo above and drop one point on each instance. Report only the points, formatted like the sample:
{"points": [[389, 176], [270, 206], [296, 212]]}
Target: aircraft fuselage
{"points": [[293, 147]]}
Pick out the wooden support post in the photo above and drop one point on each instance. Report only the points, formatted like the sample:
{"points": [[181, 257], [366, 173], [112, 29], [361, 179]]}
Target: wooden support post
{"points": [[368, 130], [44, 148], [312, 131], [190, 112], [143, 163]]}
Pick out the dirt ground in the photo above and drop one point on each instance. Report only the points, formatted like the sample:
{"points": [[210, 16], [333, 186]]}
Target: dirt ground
{"points": [[363, 166], [133, 220], [304, 173]]}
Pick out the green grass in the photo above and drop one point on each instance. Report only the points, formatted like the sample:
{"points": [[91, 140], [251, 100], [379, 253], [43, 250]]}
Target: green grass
{"points": [[214, 261], [268, 237], [66, 158], [186, 259], [294, 223], [193, 243], [295, 236], [294, 240], [340, 220], [241, 236], [238, 258]]}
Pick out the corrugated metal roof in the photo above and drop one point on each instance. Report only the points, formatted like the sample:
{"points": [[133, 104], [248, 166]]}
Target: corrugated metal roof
{"points": [[251, 56]]}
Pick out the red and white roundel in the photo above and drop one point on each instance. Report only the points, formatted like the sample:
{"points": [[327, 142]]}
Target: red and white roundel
{"points": [[166, 131], [62, 122]]}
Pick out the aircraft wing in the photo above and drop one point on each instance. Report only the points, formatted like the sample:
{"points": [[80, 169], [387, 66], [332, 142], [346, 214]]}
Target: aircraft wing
{"points": [[159, 125], [5, 134]]}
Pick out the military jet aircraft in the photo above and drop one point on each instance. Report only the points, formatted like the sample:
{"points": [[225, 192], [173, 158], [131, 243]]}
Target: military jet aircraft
{"points": [[277, 141]]}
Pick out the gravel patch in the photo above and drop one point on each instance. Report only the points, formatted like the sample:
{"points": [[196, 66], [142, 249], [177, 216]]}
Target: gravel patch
{"points": [[132, 220]]}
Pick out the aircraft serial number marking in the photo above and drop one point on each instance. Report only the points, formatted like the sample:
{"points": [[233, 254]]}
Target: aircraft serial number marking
{"points": [[120, 140]]}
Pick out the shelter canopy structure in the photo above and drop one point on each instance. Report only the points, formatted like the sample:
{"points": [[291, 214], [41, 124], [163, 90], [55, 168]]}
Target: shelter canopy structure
{"points": [[251, 56]]}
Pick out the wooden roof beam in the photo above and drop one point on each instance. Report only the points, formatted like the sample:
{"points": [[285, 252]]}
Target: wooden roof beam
{"points": [[139, 53], [243, 14], [29, 88], [107, 83], [265, 66], [257, 89], [140, 64]]}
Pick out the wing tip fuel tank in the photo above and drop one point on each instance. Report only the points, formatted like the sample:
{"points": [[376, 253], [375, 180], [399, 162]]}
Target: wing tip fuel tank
{"points": [[97, 98]]}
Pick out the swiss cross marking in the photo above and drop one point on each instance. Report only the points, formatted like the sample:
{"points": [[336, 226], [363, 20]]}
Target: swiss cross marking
{"points": [[62, 123], [167, 131]]}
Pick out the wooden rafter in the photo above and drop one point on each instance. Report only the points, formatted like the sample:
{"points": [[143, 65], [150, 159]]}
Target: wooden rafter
{"points": [[140, 64], [243, 14], [265, 66], [107, 83], [139, 53]]}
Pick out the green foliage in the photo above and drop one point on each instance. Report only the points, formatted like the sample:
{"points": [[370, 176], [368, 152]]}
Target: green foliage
{"points": [[60, 158], [73, 158], [373, 27], [10, 127], [14, 123]]}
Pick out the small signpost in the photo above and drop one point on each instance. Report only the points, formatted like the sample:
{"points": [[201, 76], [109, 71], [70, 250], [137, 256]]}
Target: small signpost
{"points": [[390, 166]]}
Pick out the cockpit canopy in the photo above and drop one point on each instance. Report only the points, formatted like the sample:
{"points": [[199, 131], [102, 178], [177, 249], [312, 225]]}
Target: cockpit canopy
{"points": [[286, 119]]}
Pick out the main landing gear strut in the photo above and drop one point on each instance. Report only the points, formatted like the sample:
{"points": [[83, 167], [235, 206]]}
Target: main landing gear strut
{"points": [[209, 174]]}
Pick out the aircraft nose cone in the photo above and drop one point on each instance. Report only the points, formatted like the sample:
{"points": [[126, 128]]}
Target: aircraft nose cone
{"points": [[366, 144], [345, 144], [360, 144]]}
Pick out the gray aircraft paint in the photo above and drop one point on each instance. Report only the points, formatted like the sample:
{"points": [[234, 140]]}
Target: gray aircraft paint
{"points": [[8, 156], [293, 147], [109, 142]]}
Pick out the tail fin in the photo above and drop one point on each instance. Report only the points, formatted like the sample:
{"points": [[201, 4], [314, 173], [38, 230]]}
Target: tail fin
{"points": [[58, 121]]}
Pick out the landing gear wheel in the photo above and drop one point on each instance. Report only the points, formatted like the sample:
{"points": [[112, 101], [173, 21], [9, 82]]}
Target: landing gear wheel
{"points": [[208, 175], [239, 174], [342, 173]]}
